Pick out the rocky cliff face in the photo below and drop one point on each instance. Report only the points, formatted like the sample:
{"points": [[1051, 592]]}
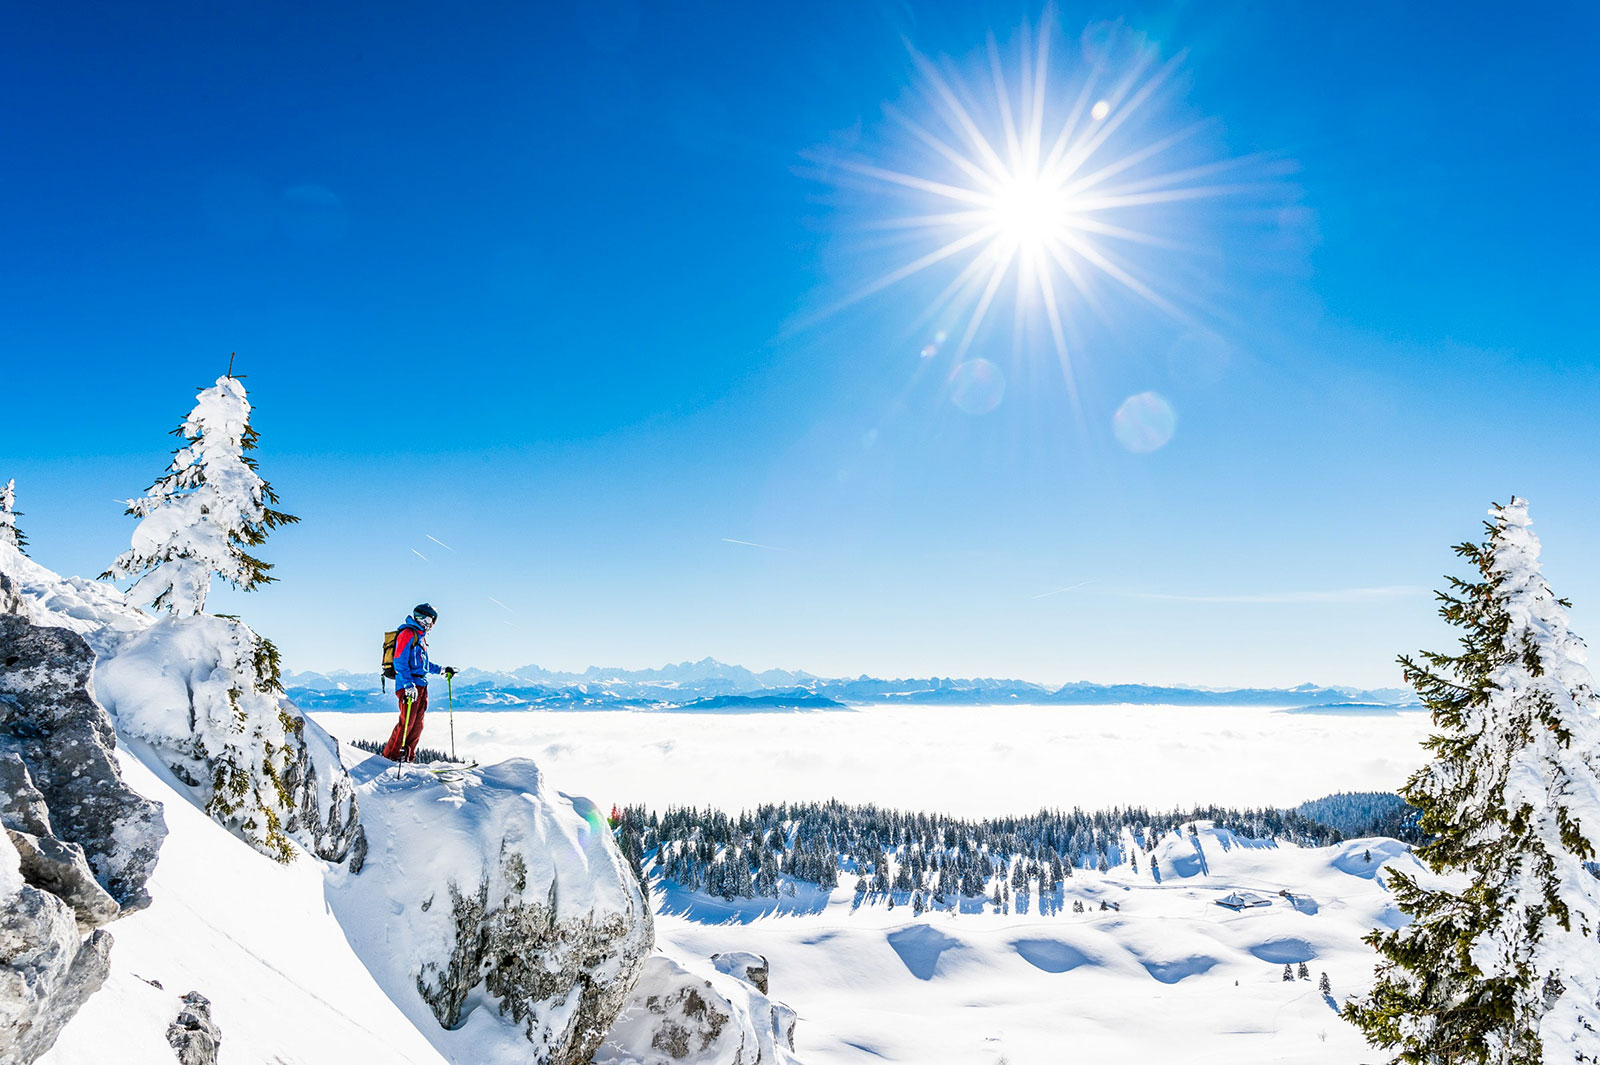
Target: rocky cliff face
{"points": [[78, 844], [46, 971], [51, 724], [501, 905]]}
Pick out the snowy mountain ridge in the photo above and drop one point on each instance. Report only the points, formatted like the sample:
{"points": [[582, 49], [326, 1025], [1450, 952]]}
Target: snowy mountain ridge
{"points": [[683, 684]]}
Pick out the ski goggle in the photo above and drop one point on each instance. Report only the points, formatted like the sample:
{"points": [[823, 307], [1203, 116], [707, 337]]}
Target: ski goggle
{"points": [[426, 622]]}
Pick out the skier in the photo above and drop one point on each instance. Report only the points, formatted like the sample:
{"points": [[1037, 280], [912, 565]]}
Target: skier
{"points": [[411, 669]]}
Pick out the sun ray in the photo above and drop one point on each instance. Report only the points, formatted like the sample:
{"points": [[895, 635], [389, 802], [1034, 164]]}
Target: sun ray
{"points": [[967, 166], [998, 275], [937, 255], [963, 121], [1195, 192], [1133, 236], [911, 181], [1117, 114], [930, 221], [1087, 250], [1127, 162]]}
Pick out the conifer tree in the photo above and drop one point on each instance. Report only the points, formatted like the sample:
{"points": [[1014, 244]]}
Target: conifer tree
{"points": [[198, 518], [240, 738], [1498, 966], [9, 533]]}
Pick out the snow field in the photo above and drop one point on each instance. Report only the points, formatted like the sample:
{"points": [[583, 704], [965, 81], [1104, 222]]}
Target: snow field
{"points": [[1154, 979]]}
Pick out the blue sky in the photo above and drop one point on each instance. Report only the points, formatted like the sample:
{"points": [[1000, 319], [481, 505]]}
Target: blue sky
{"points": [[560, 287]]}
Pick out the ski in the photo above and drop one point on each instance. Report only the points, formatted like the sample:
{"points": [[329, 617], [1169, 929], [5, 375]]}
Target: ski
{"points": [[455, 770]]}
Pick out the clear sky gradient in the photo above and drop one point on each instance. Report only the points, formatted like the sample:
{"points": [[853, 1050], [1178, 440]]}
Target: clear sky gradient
{"points": [[569, 290]]}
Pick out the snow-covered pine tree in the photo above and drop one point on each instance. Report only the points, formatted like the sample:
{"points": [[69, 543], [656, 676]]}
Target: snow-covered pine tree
{"points": [[199, 516], [9, 533], [1498, 964], [237, 740]]}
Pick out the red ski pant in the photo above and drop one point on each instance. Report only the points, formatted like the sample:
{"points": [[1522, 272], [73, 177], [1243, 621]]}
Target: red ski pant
{"points": [[408, 730]]}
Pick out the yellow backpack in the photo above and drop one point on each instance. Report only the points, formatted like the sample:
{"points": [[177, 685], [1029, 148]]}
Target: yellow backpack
{"points": [[388, 658]]}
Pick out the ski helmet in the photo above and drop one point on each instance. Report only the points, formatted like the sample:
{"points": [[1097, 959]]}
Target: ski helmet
{"points": [[423, 610]]}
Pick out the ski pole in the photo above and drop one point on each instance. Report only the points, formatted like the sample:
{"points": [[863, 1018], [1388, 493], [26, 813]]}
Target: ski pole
{"points": [[405, 732], [450, 695]]}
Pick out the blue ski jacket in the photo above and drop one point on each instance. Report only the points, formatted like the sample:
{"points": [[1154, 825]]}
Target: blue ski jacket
{"points": [[411, 665]]}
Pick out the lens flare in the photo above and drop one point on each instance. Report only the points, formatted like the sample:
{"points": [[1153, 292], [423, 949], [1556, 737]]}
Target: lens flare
{"points": [[1144, 422], [977, 386]]}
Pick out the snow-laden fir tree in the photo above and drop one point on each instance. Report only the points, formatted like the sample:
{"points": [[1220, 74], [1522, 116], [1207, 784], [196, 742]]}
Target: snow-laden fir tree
{"points": [[235, 742], [9, 533], [1501, 964], [200, 516]]}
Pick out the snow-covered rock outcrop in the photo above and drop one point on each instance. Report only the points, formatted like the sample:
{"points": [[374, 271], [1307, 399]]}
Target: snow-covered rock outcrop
{"points": [[200, 693], [709, 1015], [751, 968], [194, 1036], [496, 908], [196, 690]]}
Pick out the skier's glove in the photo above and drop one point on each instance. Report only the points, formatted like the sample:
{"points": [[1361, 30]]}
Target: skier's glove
{"points": [[449, 671], [410, 692]]}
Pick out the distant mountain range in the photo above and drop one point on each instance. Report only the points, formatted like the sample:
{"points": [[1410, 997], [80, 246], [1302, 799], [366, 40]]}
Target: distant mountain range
{"points": [[712, 686]]}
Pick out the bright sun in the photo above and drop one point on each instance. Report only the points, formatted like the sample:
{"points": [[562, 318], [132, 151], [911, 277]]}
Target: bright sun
{"points": [[1029, 210], [1037, 189]]}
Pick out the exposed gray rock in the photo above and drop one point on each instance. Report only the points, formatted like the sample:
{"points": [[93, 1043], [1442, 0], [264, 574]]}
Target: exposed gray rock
{"points": [[50, 720], [709, 1018], [11, 598], [46, 972], [48, 863], [60, 868], [22, 805], [536, 963], [326, 817], [194, 1035]]}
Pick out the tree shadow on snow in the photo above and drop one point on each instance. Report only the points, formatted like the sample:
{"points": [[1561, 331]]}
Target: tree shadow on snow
{"points": [[674, 901]]}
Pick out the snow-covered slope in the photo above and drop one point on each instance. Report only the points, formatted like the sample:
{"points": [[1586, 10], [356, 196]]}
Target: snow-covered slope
{"points": [[255, 937]]}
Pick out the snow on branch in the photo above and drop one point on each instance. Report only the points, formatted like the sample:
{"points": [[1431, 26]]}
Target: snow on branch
{"points": [[198, 518]]}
